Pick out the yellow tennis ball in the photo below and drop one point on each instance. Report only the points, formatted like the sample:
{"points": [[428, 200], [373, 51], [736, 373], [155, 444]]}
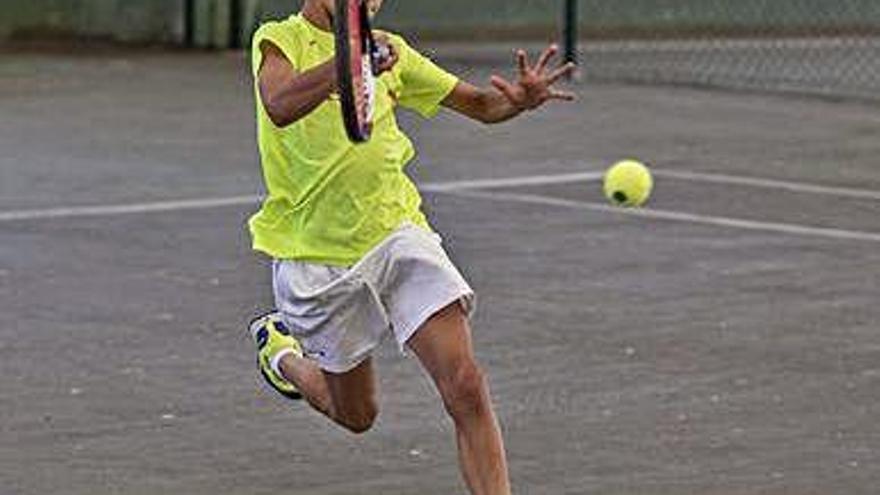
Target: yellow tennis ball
{"points": [[628, 183]]}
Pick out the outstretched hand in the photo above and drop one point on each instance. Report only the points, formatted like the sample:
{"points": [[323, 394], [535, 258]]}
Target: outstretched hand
{"points": [[534, 85]]}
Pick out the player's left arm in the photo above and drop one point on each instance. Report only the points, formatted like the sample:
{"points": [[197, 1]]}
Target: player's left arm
{"points": [[506, 99]]}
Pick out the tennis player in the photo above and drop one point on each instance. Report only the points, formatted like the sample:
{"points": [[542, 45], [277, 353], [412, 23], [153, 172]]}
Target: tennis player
{"points": [[354, 257]]}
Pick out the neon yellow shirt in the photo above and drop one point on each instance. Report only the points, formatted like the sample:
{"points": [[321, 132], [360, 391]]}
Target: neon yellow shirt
{"points": [[329, 200]]}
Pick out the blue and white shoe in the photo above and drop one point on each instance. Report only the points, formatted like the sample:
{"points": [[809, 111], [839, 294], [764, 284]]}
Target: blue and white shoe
{"points": [[273, 341]]}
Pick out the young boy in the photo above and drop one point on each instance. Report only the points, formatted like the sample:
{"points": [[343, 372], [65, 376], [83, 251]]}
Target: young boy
{"points": [[354, 257]]}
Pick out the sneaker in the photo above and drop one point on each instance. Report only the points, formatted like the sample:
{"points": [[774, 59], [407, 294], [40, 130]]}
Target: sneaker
{"points": [[273, 342]]}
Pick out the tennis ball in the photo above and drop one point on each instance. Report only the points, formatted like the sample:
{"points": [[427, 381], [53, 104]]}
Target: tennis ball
{"points": [[628, 183]]}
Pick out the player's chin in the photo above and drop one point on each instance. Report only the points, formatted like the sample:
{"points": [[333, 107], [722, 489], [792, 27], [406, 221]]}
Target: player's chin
{"points": [[373, 7]]}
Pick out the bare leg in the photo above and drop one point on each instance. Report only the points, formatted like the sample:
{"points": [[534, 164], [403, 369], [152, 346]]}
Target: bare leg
{"points": [[349, 399], [308, 378], [443, 345]]}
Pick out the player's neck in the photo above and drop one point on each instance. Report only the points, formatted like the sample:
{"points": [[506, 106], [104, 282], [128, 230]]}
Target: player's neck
{"points": [[318, 15]]}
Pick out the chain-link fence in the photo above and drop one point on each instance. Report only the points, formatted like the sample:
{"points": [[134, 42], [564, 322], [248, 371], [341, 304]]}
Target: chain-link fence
{"points": [[821, 46], [123, 21], [818, 46], [829, 47]]}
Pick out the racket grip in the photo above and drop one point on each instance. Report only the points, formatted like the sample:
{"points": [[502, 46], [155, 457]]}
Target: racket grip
{"points": [[380, 54]]}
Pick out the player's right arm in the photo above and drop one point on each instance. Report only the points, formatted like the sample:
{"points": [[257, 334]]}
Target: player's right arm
{"points": [[289, 95]]}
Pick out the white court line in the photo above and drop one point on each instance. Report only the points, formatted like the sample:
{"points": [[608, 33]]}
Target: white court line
{"points": [[111, 210], [539, 180], [472, 188], [531, 180], [207, 203], [786, 228], [800, 187]]}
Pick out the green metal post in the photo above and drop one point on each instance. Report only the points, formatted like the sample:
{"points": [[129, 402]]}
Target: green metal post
{"points": [[235, 17], [189, 23], [571, 22]]}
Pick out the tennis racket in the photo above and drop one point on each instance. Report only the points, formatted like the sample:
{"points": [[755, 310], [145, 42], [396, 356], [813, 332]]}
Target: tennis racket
{"points": [[357, 64]]}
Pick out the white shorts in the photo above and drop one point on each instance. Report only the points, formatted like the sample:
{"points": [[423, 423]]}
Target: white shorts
{"points": [[340, 315]]}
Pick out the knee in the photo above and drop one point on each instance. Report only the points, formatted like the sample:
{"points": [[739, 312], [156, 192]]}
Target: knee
{"points": [[465, 393], [358, 420]]}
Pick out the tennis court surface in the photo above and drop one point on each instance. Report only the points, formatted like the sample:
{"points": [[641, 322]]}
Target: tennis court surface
{"points": [[723, 341]]}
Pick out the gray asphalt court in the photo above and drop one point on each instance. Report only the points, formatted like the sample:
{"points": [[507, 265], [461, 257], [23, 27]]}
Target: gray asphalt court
{"points": [[723, 340]]}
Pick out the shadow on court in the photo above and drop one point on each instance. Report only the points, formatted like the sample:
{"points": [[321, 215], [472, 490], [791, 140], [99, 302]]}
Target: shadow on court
{"points": [[712, 352]]}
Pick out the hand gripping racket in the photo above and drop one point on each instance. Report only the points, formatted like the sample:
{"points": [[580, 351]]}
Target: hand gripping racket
{"points": [[357, 64]]}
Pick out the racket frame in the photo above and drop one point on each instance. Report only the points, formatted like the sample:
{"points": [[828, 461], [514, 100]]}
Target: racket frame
{"points": [[355, 43]]}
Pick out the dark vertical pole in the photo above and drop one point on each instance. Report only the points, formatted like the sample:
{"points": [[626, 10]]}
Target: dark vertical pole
{"points": [[189, 23], [571, 23], [235, 13]]}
